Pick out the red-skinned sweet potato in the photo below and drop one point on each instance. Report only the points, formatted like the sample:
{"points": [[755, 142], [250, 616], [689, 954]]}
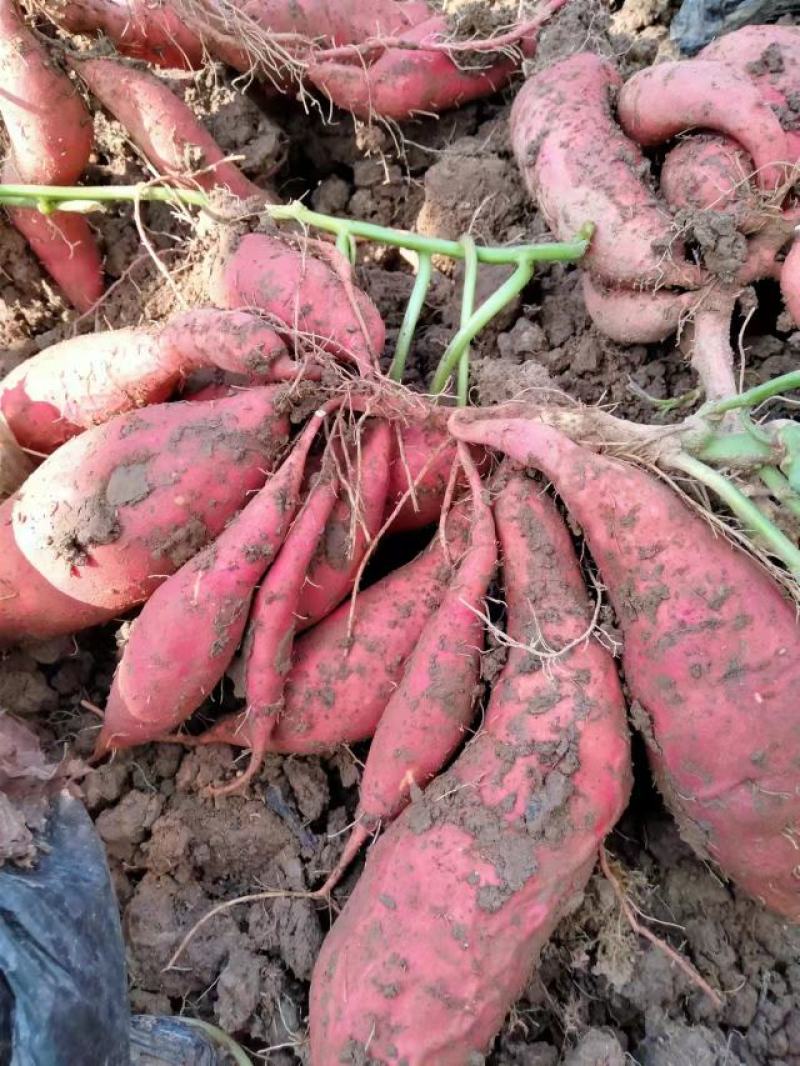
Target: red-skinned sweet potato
{"points": [[30, 607], [165, 128], [188, 631], [428, 715], [580, 167], [51, 138], [634, 317], [706, 172], [670, 98], [341, 678], [116, 510], [301, 291], [86, 380], [708, 654], [770, 57], [347, 536], [459, 896], [155, 32]]}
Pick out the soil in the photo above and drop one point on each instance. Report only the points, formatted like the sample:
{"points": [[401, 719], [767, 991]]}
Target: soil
{"points": [[601, 994]]}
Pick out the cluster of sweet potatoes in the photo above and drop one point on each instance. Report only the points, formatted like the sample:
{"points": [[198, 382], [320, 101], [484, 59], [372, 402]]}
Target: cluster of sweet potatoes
{"points": [[681, 231], [391, 59], [239, 518]]}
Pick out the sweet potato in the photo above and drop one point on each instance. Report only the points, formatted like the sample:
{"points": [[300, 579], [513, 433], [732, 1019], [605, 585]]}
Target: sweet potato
{"points": [[423, 456], [427, 716], [30, 607], [84, 381], [580, 167], [347, 535], [65, 246], [188, 631], [706, 172], [116, 510], [270, 633], [404, 82], [770, 57], [155, 32], [709, 654], [303, 292], [165, 128], [633, 317], [51, 138], [341, 679], [459, 896], [661, 101]]}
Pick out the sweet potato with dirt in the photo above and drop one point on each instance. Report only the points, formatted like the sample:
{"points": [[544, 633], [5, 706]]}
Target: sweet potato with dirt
{"points": [[113, 512], [662, 101], [428, 715], [633, 317], [165, 128], [30, 607], [187, 633], [709, 653], [141, 29], [403, 82], [305, 289], [770, 57], [346, 668], [353, 524], [709, 173], [51, 139], [580, 167], [86, 380], [459, 896]]}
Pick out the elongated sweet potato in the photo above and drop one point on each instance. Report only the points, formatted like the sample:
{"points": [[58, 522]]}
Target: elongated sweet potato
{"points": [[188, 631], [113, 512], [165, 128], [303, 292], [709, 654], [65, 246], [670, 98], [427, 717], [459, 896], [341, 678], [349, 529], [156, 32], [580, 167], [790, 281], [84, 381], [51, 138]]}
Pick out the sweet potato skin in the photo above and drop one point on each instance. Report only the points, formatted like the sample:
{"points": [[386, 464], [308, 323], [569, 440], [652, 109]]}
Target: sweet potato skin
{"points": [[341, 678], [456, 900], [344, 543], [164, 127], [770, 57], [708, 653], [86, 380], [302, 292], [114, 511], [633, 317], [580, 167], [51, 139], [661, 101]]}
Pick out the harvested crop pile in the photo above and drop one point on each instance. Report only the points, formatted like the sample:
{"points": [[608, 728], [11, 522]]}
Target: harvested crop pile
{"points": [[370, 668]]}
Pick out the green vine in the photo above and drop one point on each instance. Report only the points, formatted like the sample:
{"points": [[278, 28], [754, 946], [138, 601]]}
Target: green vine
{"points": [[523, 257]]}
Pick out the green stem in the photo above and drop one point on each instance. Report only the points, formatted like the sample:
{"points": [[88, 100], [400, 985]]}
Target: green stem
{"points": [[746, 511], [347, 246], [415, 304], [734, 449], [780, 489], [467, 310], [480, 318], [50, 197], [756, 395]]}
